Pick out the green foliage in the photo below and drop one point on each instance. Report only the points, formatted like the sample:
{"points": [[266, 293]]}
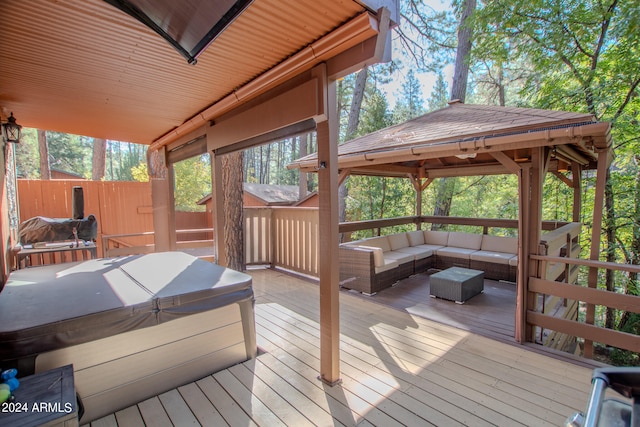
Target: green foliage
{"points": [[192, 182], [140, 172], [624, 357], [27, 155], [70, 153], [121, 158]]}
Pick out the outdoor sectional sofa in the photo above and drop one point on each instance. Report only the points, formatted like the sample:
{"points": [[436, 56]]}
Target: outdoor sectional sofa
{"points": [[372, 264]]}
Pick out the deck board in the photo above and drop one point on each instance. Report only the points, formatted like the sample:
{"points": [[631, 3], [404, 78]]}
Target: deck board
{"points": [[397, 368]]}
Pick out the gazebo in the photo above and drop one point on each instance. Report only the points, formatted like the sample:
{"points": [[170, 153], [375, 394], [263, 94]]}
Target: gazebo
{"points": [[470, 140]]}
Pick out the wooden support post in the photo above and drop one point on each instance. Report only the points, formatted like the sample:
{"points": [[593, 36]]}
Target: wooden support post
{"points": [[327, 133], [419, 186], [164, 211], [540, 157], [524, 184], [596, 231], [576, 172], [217, 193], [164, 223]]}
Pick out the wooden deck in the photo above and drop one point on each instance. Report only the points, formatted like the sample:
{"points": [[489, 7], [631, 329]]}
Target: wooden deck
{"points": [[397, 369], [491, 313]]}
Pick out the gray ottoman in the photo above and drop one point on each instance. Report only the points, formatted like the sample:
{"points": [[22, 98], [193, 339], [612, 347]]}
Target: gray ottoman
{"points": [[457, 284]]}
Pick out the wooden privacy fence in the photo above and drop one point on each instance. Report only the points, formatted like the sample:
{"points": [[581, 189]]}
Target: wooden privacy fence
{"points": [[119, 206]]}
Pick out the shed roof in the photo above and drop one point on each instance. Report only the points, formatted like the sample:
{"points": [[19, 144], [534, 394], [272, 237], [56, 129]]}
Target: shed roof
{"points": [[270, 194], [465, 136], [87, 68]]}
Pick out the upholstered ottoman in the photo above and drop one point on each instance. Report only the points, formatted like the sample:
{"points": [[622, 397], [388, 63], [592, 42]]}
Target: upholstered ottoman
{"points": [[456, 284]]}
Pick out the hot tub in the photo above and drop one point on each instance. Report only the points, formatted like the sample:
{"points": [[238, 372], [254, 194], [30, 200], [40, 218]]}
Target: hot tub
{"points": [[133, 327]]}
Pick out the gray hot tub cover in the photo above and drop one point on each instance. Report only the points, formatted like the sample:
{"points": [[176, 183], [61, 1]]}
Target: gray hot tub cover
{"points": [[51, 307]]}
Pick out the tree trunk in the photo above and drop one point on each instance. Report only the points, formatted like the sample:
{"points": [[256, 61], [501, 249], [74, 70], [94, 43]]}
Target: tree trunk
{"points": [[465, 39], [356, 102], [352, 127], [98, 161], [500, 82], [45, 170], [444, 196], [234, 219], [610, 232], [302, 178]]}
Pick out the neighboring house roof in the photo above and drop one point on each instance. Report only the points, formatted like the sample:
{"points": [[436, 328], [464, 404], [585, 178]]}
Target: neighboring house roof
{"points": [[87, 68], [308, 197], [462, 135], [271, 195], [62, 174]]}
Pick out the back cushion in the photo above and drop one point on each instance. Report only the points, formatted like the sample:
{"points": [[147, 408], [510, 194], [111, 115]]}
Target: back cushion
{"points": [[398, 241], [380, 242], [464, 240], [416, 238], [500, 244], [436, 237]]}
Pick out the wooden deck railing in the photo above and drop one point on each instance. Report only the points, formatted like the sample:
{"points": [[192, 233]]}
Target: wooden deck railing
{"points": [[288, 238], [115, 245], [585, 295]]}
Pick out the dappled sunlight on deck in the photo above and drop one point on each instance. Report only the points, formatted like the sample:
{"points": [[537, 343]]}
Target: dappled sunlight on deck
{"points": [[396, 369]]}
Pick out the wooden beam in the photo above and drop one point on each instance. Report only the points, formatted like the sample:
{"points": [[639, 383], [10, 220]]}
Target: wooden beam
{"points": [[327, 134], [596, 230], [296, 105], [344, 173], [375, 49], [562, 177], [506, 161]]}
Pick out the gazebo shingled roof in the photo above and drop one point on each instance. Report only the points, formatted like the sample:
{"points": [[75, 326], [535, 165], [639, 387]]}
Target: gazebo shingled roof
{"points": [[462, 136]]}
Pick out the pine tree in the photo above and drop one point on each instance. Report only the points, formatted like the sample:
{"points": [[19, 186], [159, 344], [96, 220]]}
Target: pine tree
{"points": [[410, 104], [439, 95]]}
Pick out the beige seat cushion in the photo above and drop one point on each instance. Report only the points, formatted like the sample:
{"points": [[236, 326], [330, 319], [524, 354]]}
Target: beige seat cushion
{"points": [[401, 257], [464, 240], [381, 242], [493, 257], [462, 253], [417, 252], [500, 244], [416, 238], [398, 241], [436, 237]]}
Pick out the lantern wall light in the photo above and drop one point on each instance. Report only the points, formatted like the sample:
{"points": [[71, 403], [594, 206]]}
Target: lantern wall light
{"points": [[11, 130]]}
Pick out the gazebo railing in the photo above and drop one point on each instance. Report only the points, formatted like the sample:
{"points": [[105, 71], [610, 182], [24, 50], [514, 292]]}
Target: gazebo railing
{"points": [[584, 329]]}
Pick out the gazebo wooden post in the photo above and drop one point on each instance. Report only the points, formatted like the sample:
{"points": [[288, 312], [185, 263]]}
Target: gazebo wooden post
{"points": [[327, 134], [596, 231], [419, 186], [530, 180], [524, 184], [576, 172]]}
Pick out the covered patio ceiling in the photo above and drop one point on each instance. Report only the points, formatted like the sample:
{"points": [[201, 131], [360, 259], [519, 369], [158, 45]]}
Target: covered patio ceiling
{"points": [[464, 140], [88, 68]]}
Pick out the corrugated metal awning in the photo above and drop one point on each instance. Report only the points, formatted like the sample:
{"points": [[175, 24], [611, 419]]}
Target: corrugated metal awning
{"points": [[85, 67]]}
